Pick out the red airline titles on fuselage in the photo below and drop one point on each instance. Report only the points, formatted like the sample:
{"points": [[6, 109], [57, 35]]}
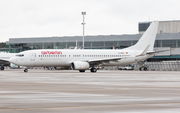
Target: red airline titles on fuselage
{"points": [[51, 52]]}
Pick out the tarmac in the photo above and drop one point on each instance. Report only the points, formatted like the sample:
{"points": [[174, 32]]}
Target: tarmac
{"points": [[106, 91]]}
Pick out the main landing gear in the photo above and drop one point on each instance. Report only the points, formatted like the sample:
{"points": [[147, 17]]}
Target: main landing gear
{"points": [[25, 70], [2, 68], [93, 70]]}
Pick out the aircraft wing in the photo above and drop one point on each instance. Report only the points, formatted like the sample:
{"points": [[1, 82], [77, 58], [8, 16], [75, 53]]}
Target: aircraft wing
{"points": [[104, 60], [4, 62]]}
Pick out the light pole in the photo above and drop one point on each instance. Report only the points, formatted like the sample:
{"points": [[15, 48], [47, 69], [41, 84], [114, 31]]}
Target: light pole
{"points": [[83, 13]]}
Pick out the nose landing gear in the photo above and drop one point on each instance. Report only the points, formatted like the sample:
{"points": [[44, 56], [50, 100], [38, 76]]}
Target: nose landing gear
{"points": [[25, 70]]}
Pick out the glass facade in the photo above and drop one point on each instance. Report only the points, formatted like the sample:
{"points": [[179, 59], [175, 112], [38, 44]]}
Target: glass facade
{"points": [[15, 45], [143, 26], [167, 43], [15, 48]]}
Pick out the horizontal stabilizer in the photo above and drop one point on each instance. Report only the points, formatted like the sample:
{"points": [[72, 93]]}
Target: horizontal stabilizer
{"points": [[158, 51]]}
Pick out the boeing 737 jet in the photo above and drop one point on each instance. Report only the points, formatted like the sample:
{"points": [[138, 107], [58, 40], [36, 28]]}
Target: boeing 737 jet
{"points": [[84, 59]]}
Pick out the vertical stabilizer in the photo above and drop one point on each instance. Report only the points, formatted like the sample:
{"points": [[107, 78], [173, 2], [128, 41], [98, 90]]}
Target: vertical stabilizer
{"points": [[148, 38]]}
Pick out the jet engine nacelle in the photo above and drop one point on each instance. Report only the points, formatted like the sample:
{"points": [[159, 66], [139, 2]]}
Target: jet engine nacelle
{"points": [[80, 65]]}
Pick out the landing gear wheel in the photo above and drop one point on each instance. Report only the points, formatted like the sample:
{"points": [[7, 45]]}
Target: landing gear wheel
{"points": [[2, 67], [140, 69], [82, 70], [93, 70], [145, 68], [26, 70], [52, 69]]}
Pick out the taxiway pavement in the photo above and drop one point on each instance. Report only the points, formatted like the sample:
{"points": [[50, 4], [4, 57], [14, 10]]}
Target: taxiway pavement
{"points": [[45, 91]]}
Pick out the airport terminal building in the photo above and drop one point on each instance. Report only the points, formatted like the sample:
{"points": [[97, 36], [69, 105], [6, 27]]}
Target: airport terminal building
{"points": [[168, 36]]}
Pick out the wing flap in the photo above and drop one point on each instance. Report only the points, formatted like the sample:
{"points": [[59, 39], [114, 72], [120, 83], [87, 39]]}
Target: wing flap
{"points": [[158, 51]]}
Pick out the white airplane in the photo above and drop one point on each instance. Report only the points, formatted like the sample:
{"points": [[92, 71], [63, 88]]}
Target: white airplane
{"points": [[83, 59]]}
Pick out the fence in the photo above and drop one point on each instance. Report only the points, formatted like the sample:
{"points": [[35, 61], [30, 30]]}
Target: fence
{"points": [[160, 66]]}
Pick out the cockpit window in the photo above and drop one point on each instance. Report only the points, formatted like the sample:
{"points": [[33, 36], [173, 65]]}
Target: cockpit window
{"points": [[20, 55]]}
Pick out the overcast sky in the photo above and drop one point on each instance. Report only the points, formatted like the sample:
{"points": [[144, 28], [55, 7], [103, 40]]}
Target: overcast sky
{"points": [[47, 18]]}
